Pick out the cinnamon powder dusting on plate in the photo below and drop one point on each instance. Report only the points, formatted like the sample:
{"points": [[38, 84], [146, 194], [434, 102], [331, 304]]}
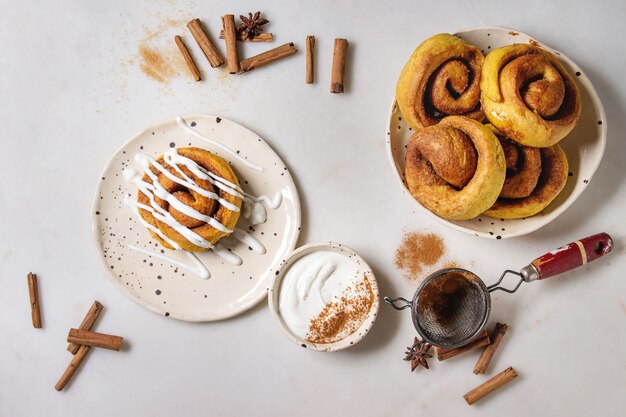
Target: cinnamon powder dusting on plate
{"points": [[417, 251], [343, 316]]}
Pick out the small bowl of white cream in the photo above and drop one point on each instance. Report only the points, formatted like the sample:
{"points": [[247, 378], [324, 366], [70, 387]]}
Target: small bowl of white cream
{"points": [[325, 297]]}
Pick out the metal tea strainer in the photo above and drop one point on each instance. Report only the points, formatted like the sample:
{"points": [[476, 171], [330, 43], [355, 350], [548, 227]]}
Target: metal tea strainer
{"points": [[452, 305]]}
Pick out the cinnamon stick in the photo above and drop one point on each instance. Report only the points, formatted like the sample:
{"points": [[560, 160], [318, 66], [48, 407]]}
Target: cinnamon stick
{"points": [[485, 358], [89, 338], [77, 359], [272, 55], [33, 292], [230, 35], [195, 72], [261, 37], [310, 64], [491, 385], [87, 323], [208, 48], [339, 65], [481, 340]]}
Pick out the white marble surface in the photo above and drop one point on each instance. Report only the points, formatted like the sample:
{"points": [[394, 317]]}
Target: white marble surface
{"points": [[72, 92]]}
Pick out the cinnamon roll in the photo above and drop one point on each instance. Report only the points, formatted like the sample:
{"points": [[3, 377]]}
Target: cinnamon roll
{"points": [[455, 169], [441, 78], [188, 198], [534, 178], [528, 95]]}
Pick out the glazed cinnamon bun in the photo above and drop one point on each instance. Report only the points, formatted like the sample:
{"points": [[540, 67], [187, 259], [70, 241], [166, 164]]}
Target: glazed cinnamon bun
{"points": [[188, 198]]}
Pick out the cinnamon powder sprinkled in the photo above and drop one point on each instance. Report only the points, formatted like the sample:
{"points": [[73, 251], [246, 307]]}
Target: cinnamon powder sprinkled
{"points": [[154, 65], [416, 251], [159, 58], [339, 319], [451, 264]]}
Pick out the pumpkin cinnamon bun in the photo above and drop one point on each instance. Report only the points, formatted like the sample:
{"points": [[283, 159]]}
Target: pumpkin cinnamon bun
{"points": [[188, 198], [534, 178], [528, 95], [455, 169], [441, 78]]}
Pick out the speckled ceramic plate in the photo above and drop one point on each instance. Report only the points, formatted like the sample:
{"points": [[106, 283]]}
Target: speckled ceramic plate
{"points": [[165, 288], [584, 146]]}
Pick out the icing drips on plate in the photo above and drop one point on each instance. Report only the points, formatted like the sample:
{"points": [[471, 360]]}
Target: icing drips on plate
{"points": [[254, 208], [198, 267], [247, 239], [182, 123]]}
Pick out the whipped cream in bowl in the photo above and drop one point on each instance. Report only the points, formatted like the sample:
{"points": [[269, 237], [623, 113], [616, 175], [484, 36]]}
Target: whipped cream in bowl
{"points": [[325, 296]]}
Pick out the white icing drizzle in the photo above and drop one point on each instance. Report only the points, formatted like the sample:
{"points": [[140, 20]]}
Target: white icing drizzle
{"points": [[182, 123], [272, 203], [173, 158], [135, 206], [129, 174], [248, 240], [253, 209], [150, 190], [197, 267], [166, 217], [227, 255], [220, 251]]}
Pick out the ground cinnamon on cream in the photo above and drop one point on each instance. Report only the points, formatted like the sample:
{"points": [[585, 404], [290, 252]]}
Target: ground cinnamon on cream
{"points": [[418, 250], [340, 318]]}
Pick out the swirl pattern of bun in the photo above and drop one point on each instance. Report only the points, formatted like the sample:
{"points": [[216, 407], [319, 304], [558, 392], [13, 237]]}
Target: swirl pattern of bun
{"points": [[196, 202], [534, 177], [441, 78], [528, 95], [455, 169]]}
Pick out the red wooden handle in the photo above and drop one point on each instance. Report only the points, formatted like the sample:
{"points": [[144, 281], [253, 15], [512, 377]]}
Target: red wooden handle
{"points": [[573, 255]]}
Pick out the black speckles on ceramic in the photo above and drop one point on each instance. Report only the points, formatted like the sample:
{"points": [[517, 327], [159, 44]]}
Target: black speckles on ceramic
{"points": [[170, 290]]}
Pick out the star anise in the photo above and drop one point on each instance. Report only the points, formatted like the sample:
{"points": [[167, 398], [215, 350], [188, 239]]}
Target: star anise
{"points": [[418, 354], [251, 26]]}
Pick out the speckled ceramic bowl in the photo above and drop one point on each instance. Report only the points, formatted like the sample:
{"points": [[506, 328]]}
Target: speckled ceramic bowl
{"points": [[584, 146], [275, 286]]}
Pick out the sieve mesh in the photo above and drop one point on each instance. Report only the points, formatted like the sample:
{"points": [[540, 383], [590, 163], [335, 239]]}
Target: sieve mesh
{"points": [[451, 308]]}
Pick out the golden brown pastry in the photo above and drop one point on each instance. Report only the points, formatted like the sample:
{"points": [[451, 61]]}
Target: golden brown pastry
{"points": [[455, 169], [528, 95], [534, 177], [441, 78], [195, 212]]}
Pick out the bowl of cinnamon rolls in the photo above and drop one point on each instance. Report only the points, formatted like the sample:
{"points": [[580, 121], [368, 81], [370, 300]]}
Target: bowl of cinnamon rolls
{"points": [[492, 132]]}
